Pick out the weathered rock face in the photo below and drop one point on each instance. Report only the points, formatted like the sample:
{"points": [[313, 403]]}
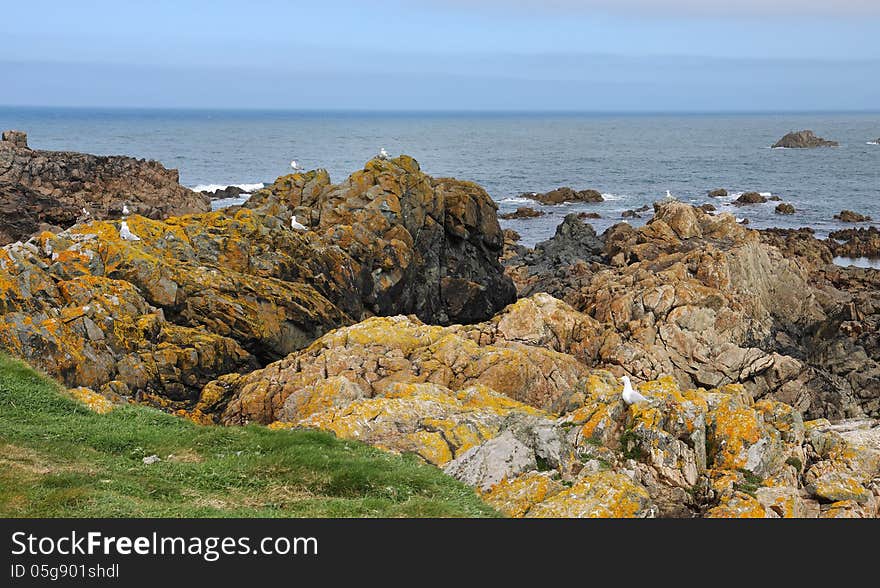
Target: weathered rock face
{"points": [[504, 407], [785, 208], [565, 194], [97, 183], [24, 212], [848, 216], [803, 140], [243, 283], [701, 298], [429, 246]]}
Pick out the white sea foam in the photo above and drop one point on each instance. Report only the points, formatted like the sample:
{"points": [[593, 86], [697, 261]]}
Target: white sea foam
{"points": [[873, 143], [214, 187], [517, 200], [613, 197]]}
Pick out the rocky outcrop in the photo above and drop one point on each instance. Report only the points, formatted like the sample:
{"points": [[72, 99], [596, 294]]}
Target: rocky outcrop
{"points": [[718, 193], [523, 212], [750, 198], [861, 242], [565, 194], [504, 407], [848, 216], [785, 208], [24, 212], [803, 140], [100, 184], [198, 296], [426, 246], [556, 265], [703, 299]]}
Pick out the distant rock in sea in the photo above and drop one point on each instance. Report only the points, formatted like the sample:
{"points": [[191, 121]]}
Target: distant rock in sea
{"points": [[848, 216], [589, 215], [718, 193], [223, 193], [803, 140], [523, 212], [565, 194], [708, 207], [785, 208], [750, 198]]}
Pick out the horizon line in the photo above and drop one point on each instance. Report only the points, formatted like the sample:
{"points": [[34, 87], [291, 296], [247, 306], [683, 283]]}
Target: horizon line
{"points": [[423, 111]]}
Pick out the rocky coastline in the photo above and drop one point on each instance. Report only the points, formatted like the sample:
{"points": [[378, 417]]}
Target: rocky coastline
{"points": [[391, 308]]}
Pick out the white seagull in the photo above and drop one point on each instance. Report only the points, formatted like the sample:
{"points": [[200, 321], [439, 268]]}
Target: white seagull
{"points": [[669, 195], [86, 212], [382, 153], [296, 167], [630, 395], [295, 225], [126, 233], [125, 210]]}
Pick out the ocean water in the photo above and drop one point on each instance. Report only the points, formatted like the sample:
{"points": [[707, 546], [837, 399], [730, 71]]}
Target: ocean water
{"points": [[632, 159]]}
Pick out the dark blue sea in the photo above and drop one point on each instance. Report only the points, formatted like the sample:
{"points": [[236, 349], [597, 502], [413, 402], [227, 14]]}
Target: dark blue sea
{"points": [[632, 159]]}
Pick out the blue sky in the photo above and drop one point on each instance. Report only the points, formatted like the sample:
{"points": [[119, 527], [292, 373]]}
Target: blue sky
{"points": [[651, 55]]}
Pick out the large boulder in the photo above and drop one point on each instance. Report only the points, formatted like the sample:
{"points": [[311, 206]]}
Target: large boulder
{"points": [[803, 140], [429, 246], [100, 184]]}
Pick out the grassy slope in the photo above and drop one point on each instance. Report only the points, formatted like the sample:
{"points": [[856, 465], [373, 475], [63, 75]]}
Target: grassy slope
{"points": [[57, 459]]}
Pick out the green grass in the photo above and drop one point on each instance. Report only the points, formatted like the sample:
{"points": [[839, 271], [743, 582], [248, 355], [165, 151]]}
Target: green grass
{"points": [[59, 459]]}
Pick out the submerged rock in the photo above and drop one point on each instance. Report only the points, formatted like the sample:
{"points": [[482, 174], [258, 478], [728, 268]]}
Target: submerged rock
{"points": [[848, 216], [803, 140], [565, 194], [718, 193], [523, 212], [785, 208]]}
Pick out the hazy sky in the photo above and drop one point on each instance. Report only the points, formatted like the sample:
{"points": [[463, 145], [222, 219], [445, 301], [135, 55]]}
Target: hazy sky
{"points": [[444, 54]]}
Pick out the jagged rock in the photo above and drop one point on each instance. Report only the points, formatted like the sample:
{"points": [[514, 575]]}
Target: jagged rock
{"points": [[598, 495], [861, 242], [427, 246], [630, 214], [718, 193], [589, 215], [707, 207], [101, 184], [785, 208], [803, 140], [91, 307], [849, 216], [750, 198], [24, 212], [565, 194], [573, 247], [523, 212], [380, 351]]}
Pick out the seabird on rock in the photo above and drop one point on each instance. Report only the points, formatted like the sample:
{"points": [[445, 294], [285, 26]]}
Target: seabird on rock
{"points": [[126, 233], [382, 153], [630, 395], [295, 225], [296, 167], [125, 211]]}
